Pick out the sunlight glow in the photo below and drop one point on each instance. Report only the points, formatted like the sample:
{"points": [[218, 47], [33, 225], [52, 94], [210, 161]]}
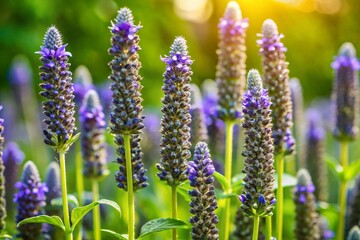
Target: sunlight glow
{"points": [[321, 6], [197, 11]]}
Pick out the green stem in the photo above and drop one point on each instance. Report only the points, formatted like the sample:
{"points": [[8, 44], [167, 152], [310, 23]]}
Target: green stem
{"points": [[79, 185], [96, 216], [131, 204], [228, 166], [279, 196], [68, 232], [256, 228], [79, 174], [174, 209], [342, 191], [268, 226]]}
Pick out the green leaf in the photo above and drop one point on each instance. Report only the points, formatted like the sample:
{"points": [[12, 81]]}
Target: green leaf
{"points": [[352, 170], [71, 200], [53, 220], [287, 181], [5, 236], [223, 181], [237, 182], [222, 195], [115, 234], [161, 224], [336, 168], [183, 189], [78, 213]]}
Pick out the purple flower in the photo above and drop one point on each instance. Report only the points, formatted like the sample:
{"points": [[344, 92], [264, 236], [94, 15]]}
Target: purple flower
{"points": [[243, 226], [203, 200], [82, 83], [315, 153], [306, 217], [20, 72], [258, 196], [215, 126], [175, 141], [12, 159], [138, 170], [231, 68], [58, 90], [325, 232], [126, 110], [276, 78], [92, 122], [151, 138], [53, 184], [30, 200], [298, 119], [198, 130], [345, 93]]}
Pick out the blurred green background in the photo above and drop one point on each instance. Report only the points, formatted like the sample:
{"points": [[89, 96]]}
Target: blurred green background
{"points": [[313, 29]]}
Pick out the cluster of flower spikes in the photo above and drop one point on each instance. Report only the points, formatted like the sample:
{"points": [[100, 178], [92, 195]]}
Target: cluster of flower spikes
{"points": [[243, 226], [175, 131], [307, 219], [126, 110], [258, 196], [12, 159], [315, 154], [198, 130], [58, 90], [138, 170], [345, 93], [231, 68], [2, 179], [92, 121], [82, 83], [203, 200], [276, 78], [52, 181], [215, 126], [297, 102], [53, 184], [30, 200]]}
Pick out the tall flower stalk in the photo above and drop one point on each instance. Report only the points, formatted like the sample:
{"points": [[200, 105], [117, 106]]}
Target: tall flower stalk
{"points": [[315, 153], [276, 77], [126, 120], [58, 106], [12, 159], [175, 142], [307, 219], [30, 200], [92, 121], [258, 194], [198, 130], [21, 80], [230, 78], [53, 184], [297, 102], [203, 200], [346, 129]]}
